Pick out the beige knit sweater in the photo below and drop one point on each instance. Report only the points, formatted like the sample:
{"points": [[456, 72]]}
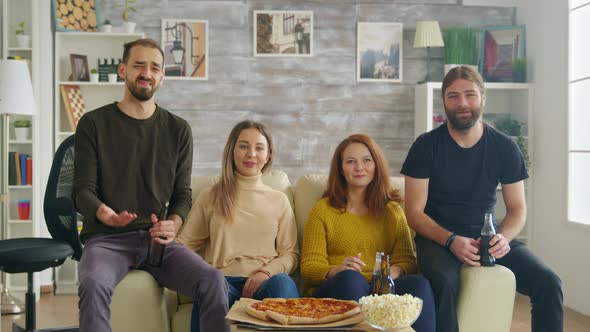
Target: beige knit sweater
{"points": [[262, 237]]}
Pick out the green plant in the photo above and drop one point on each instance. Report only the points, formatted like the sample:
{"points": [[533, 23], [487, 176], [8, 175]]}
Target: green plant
{"points": [[519, 65], [460, 46], [93, 71], [524, 149], [107, 22], [21, 29], [508, 126], [126, 9], [22, 123]]}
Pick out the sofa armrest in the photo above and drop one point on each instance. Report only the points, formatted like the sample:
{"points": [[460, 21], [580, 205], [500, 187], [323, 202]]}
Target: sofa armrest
{"points": [[486, 292], [139, 290]]}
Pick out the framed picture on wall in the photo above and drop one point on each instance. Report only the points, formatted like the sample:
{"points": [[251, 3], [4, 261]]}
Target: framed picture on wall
{"points": [[75, 15], [280, 33], [186, 48], [79, 65], [502, 47], [379, 52]]}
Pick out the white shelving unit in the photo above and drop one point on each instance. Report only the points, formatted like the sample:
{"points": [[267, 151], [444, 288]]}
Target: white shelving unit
{"points": [[93, 45], [14, 12], [503, 100]]}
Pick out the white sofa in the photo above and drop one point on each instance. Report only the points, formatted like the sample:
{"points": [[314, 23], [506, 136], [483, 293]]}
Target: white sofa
{"points": [[486, 294]]}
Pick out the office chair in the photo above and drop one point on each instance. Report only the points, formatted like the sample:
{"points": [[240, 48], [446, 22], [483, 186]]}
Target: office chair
{"points": [[29, 255]]}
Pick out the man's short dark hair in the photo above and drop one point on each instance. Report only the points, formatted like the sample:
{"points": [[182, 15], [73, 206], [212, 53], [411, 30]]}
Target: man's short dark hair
{"points": [[146, 42], [462, 73]]}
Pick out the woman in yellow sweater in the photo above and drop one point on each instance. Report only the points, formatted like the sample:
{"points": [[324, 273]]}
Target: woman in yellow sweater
{"points": [[247, 229], [358, 216]]}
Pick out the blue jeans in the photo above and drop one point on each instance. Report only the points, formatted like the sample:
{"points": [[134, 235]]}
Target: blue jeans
{"points": [[351, 285], [279, 285]]}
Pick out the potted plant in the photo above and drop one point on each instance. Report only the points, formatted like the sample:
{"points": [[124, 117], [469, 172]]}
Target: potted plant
{"points": [[519, 70], [460, 48], [22, 129], [107, 26], [22, 40], [113, 75], [513, 129], [128, 26], [93, 75]]}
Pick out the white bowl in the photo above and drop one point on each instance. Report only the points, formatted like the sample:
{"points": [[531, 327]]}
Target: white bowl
{"points": [[391, 312]]}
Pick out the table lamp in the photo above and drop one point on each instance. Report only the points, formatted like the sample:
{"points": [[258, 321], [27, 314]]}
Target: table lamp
{"points": [[16, 97], [428, 35]]}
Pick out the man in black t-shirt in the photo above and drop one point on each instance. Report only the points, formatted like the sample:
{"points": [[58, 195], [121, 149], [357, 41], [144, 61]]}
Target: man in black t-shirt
{"points": [[451, 176]]}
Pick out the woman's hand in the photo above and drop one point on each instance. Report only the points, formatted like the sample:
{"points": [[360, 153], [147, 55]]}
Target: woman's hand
{"points": [[349, 263], [253, 283]]}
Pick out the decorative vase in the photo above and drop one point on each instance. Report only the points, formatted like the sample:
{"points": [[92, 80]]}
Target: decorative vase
{"points": [[129, 27], [113, 78], [22, 133], [519, 76], [107, 28], [23, 41], [94, 78]]}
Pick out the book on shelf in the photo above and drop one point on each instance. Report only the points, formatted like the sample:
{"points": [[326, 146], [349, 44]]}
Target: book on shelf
{"points": [[11, 168], [20, 169], [17, 163], [29, 170], [23, 169]]}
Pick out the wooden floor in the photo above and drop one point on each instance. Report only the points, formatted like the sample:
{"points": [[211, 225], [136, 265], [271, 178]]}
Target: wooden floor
{"points": [[61, 310]]}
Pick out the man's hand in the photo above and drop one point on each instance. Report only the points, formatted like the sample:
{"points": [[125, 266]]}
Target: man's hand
{"points": [[253, 283], [466, 250], [162, 231], [349, 263], [108, 217], [499, 246]]}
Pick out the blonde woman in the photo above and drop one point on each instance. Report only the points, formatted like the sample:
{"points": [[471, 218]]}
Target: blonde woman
{"points": [[247, 229]]}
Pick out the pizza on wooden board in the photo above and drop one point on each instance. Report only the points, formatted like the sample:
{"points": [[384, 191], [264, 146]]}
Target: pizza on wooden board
{"points": [[303, 310]]}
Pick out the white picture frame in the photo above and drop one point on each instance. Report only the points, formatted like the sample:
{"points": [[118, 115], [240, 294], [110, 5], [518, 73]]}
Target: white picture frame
{"points": [[379, 52], [282, 33], [186, 49]]}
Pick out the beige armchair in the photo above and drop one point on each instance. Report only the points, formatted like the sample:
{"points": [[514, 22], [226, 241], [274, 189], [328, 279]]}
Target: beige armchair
{"points": [[140, 305]]}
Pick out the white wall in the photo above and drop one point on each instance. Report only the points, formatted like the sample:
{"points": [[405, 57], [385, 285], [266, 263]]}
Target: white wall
{"points": [[564, 246]]}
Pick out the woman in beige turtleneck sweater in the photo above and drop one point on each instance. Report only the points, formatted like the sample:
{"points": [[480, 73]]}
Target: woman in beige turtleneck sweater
{"points": [[247, 229]]}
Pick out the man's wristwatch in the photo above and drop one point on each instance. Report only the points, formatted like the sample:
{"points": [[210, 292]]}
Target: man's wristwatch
{"points": [[450, 240]]}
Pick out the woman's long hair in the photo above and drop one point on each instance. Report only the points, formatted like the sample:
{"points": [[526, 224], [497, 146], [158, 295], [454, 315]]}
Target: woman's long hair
{"points": [[224, 191], [379, 191]]}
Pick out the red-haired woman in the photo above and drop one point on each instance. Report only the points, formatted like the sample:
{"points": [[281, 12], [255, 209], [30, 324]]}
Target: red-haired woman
{"points": [[358, 216]]}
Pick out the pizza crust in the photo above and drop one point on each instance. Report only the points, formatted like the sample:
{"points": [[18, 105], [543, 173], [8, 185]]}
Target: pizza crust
{"points": [[256, 313]]}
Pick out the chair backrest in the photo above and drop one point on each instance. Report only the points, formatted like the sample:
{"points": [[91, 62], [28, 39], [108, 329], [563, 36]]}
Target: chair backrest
{"points": [[58, 207]]}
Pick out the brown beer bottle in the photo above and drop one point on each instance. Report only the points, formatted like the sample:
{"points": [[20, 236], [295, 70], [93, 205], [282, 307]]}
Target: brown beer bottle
{"points": [[376, 276]]}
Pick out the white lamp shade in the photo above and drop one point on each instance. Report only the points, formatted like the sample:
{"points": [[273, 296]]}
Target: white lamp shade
{"points": [[428, 35], [16, 91]]}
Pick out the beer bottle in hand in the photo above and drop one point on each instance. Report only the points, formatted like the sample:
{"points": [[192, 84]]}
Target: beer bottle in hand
{"points": [[155, 249], [376, 276], [487, 233]]}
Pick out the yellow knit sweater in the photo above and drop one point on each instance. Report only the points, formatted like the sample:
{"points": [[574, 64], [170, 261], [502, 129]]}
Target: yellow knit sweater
{"points": [[263, 236], [331, 235]]}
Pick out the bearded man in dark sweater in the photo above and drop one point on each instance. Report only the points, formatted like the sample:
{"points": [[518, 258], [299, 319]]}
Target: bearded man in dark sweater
{"points": [[132, 184]]}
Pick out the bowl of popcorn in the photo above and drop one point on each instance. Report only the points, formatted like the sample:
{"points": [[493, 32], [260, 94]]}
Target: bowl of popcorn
{"points": [[391, 312]]}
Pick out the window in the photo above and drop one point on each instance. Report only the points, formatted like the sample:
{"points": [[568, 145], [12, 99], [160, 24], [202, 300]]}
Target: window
{"points": [[578, 115], [288, 23]]}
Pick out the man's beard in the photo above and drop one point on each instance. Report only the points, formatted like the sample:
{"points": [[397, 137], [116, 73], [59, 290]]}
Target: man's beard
{"points": [[140, 93], [466, 123]]}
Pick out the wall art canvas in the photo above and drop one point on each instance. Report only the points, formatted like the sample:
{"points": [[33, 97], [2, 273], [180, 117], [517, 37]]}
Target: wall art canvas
{"points": [[379, 52]]}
